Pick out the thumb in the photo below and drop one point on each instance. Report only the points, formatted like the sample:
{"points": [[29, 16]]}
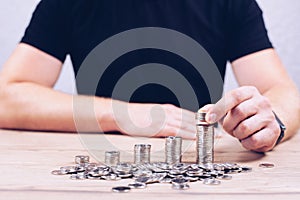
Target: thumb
{"points": [[210, 117]]}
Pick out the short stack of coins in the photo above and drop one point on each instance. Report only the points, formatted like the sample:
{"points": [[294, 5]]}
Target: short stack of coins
{"points": [[112, 158], [173, 146], [205, 140], [142, 153], [82, 159]]}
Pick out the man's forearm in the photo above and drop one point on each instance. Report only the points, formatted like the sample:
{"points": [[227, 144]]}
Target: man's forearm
{"points": [[285, 101], [34, 107]]}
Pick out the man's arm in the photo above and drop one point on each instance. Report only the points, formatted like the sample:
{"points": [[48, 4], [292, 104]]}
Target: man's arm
{"points": [[27, 98], [29, 102], [248, 111]]}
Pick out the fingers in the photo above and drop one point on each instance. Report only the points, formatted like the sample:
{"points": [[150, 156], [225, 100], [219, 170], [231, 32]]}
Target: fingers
{"points": [[261, 141], [248, 116], [236, 119], [248, 127], [178, 122], [228, 102]]}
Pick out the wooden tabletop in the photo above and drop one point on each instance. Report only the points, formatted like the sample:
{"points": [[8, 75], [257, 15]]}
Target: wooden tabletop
{"points": [[27, 159]]}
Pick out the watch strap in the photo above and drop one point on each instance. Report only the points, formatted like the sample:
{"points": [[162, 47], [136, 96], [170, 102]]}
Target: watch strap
{"points": [[282, 129]]}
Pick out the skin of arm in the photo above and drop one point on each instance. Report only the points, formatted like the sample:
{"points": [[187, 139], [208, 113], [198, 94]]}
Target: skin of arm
{"points": [[29, 102], [247, 112]]}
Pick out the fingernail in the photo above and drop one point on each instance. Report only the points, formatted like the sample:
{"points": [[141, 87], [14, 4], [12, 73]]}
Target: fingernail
{"points": [[211, 118]]}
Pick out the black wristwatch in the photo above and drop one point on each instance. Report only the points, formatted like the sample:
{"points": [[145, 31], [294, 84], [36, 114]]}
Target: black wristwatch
{"points": [[282, 129]]}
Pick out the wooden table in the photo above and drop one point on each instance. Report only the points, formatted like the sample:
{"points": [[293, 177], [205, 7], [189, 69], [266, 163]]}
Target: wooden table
{"points": [[27, 159]]}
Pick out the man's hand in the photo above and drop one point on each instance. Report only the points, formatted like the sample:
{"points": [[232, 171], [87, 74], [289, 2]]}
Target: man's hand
{"points": [[248, 116], [154, 120]]}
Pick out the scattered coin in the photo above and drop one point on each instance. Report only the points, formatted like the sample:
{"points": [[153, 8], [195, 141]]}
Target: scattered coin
{"points": [[137, 185], [246, 169], [58, 172], [78, 177], [121, 189], [180, 186], [225, 177], [211, 181], [266, 165], [111, 177]]}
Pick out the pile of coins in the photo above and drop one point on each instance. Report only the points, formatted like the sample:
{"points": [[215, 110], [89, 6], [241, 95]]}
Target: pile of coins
{"points": [[178, 175], [172, 171]]}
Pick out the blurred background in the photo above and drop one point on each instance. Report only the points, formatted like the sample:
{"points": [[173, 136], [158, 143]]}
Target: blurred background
{"points": [[281, 16]]}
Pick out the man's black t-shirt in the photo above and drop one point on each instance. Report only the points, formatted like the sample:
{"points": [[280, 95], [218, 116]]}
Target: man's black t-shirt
{"points": [[227, 29]]}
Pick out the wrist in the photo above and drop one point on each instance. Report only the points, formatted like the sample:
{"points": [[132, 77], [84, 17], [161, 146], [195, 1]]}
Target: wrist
{"points": [[105, 114]]}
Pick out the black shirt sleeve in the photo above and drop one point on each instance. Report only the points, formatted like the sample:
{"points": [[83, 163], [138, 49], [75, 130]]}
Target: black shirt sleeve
{"points": [[246, 32], [49, 28]]}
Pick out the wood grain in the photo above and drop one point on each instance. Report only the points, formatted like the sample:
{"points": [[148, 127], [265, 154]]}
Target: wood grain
{"points": [[27, 158]]}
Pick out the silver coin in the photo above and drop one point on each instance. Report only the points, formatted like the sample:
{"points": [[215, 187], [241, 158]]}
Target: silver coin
{"points": [[191, 179], [78, 177], [141, 172], [266, 165], [93, 177], [137, 185], [225, 177], [142, 179], [180, 180], [246, 169], [111, 177], [180, 186], [124, 174], [210, 181], [121, 189], [166, 180], [58, 172], [68, 169], [123, 167]]}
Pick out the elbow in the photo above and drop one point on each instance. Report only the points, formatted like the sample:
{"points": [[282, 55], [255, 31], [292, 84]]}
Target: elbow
{"points": [[5, 105]]}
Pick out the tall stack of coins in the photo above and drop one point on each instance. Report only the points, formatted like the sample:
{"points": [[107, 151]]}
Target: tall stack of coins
{"points": [[173, 147], [142, 153], [112, 158], [205, 140]]}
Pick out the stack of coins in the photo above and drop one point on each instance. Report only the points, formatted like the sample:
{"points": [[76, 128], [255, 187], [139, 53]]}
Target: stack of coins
{"points": [[82, 159], [142, 153], [112, 158], [173, 147], [205, 140]]}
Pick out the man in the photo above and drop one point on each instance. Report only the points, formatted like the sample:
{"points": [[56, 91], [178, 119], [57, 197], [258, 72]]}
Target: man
{"points": [[228, 30]]}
